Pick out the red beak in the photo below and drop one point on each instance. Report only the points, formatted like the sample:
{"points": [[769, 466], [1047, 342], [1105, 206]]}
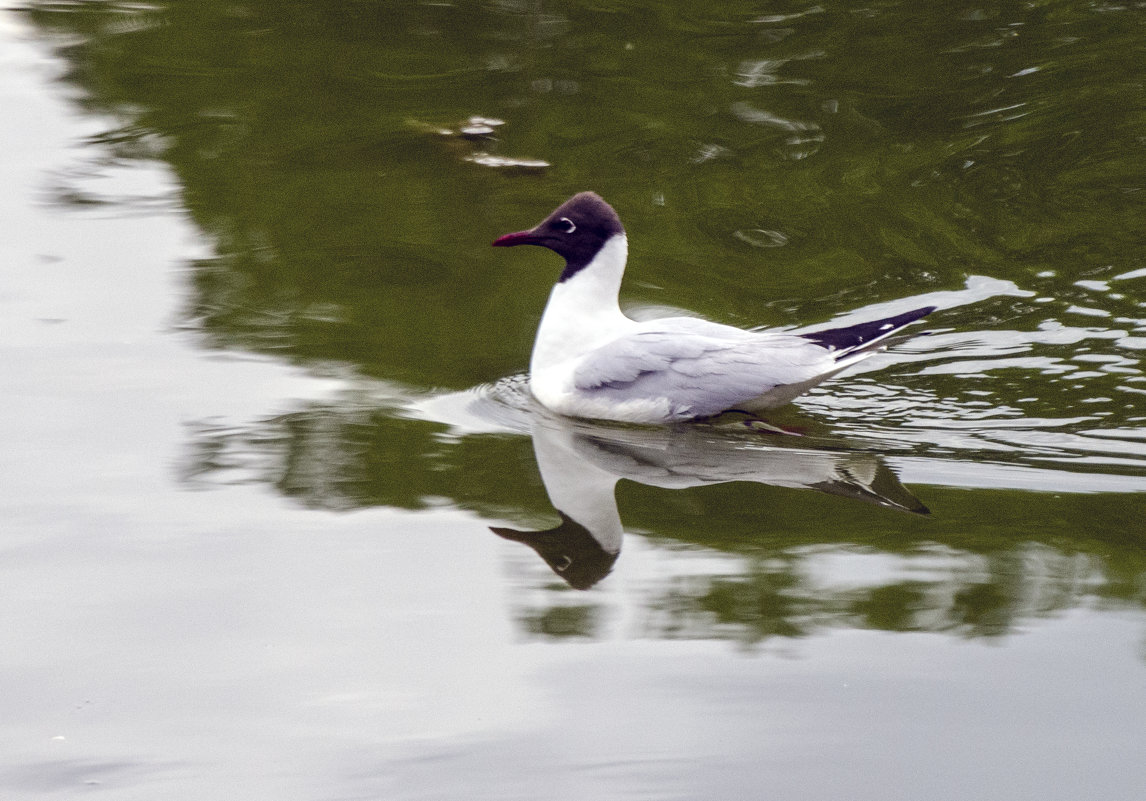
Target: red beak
{"points": [[519, 238]]}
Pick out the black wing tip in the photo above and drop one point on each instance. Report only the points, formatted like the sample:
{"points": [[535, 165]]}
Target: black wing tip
{"points": [[855, 336], [899, 320]]}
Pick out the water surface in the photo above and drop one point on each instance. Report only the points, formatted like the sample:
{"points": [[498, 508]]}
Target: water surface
{"points": [[273, 487]]}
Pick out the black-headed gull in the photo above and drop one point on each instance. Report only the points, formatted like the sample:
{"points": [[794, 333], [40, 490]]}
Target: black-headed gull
{"points": [[590, 360]]}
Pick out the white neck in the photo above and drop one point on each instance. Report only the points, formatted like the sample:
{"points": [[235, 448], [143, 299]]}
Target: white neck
{"points": [[583, 312]]}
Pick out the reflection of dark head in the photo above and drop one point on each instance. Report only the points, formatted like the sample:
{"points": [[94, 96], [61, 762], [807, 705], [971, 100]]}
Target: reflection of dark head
{"points": [[569, 549]]}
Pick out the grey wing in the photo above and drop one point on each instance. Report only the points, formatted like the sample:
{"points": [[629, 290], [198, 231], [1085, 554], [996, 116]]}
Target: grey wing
{"points": [[699, 375]]}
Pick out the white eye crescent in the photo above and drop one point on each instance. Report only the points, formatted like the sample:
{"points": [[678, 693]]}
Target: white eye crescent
{"points": [[572, 226]]}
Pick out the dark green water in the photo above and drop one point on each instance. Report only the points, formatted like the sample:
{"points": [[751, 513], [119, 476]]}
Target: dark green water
{"points": [[255, 360]]}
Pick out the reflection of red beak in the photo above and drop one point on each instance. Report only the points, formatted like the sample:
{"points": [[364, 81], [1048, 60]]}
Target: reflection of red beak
{"points": [[519, 238]]}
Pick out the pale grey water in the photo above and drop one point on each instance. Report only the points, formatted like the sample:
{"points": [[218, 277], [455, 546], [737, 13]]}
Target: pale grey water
{"points": [[165, 637]]}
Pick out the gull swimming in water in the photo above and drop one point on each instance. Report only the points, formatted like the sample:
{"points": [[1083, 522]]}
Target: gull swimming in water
{"points": [[591, 360]]}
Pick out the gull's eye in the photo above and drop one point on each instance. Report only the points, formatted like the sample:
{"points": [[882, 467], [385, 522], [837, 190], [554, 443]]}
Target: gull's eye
{"points": [[567, 224]]}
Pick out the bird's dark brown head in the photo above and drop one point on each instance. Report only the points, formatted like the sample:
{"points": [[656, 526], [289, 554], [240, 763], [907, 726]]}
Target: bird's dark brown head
{"points": [[576, 231]]}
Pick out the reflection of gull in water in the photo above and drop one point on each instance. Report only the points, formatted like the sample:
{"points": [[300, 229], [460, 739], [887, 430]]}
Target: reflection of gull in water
{"points": [[580, 464], [584, 546]]}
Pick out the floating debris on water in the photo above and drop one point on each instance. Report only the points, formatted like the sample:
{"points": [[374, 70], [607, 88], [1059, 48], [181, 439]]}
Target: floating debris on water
{"points": [[482, 129], [507, 163]]}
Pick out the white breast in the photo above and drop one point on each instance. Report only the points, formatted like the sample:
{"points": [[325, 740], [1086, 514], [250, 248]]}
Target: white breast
{"points": [[582, 313]]}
